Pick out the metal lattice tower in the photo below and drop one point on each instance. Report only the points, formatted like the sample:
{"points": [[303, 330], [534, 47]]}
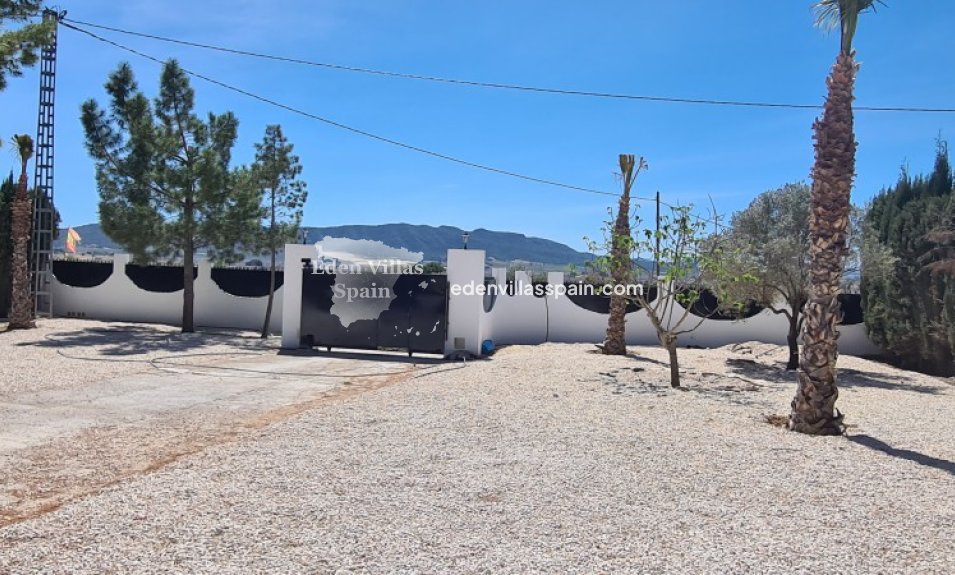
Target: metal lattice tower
{"points": [[41, 244]]}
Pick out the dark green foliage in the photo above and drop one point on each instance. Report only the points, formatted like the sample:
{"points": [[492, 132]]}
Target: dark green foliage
{"points": [[163, 173], [433, 268], [166, 188], [273, 178], [908, 280], [20, 47]]}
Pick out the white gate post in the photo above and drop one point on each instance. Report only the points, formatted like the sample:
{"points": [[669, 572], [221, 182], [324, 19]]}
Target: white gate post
{"points": [[292, 293], [466, 301]]}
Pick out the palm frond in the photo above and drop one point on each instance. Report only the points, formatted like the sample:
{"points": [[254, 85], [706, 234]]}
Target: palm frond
{"points": [[843, 14], [23, 144]]}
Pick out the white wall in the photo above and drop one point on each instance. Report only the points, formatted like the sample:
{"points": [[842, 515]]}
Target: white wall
{"points": [[523, 319], [517, 319], [119, 299]]}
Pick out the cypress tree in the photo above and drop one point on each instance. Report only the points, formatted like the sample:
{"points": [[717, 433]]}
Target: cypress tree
{"points": [[908, 281]]}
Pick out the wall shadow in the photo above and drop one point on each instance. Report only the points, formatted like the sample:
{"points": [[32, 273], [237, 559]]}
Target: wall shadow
{"points": [[130, 340]]}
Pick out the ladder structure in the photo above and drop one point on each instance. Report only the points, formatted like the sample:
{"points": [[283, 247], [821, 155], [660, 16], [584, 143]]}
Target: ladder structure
{"points": [[44, 212]]}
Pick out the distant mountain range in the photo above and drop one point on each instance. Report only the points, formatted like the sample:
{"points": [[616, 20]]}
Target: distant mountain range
{"points": [[433, 242]]}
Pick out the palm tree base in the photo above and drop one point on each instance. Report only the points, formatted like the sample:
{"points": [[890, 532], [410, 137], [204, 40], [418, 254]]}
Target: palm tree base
{"points": [[829, 427], [816, 415]]}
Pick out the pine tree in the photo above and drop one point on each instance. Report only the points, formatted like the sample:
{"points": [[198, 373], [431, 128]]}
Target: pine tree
{"points": [[166, 188], [275, 175], [20, 47]]}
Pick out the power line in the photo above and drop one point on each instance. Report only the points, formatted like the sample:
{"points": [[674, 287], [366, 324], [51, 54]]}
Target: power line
{"points": [[344, 126], [504, 86], [367, 134]]}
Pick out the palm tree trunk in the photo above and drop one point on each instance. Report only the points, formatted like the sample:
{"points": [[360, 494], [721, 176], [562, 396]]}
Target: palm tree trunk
{"points": [[813, 408], [620, 264], [21, 214]]}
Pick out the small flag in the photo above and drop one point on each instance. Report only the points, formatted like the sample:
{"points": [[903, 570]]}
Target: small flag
{"points": [[72, 239]]}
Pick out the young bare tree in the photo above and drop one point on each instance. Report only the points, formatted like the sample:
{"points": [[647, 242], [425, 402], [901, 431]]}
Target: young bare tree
{"points": [[687, 260]]}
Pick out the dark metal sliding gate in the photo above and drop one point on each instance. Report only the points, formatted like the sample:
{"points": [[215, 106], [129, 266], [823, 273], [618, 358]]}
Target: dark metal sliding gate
{"points": [[375, 311]]}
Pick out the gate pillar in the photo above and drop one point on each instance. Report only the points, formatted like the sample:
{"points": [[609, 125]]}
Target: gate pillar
{"points": [[466, 301], [292, 294]]}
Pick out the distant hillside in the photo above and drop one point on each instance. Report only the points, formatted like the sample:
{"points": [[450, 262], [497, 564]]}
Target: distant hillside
{"points": [[432, 241]]}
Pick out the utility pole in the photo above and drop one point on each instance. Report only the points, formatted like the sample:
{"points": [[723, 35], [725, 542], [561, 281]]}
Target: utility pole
{"points": [[656, 251], [44, 213]]}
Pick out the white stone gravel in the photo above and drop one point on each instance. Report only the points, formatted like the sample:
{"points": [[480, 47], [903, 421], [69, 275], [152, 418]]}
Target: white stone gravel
{"points": [[71, 353], [546, 459]]}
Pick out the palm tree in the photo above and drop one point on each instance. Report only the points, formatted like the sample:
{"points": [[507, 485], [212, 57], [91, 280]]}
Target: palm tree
{"points": [[621, 254], [21, 214], [813, 408]]}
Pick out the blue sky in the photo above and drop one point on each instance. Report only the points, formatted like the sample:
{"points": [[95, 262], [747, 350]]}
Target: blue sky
{"points": [[736, 49]]}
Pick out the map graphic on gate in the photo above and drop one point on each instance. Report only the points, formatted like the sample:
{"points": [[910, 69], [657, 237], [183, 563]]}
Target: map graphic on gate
{"points": [[376, 304]]}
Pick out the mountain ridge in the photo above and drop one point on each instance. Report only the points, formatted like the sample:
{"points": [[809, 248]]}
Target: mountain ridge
{"points": [[432, 241]]}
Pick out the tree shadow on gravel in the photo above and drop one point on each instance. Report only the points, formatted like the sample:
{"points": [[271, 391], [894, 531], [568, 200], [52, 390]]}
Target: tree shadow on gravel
{"points": [[854, 378], [907, 454], [643, 359], [633, 356], [752, 369], [848, 378], [129, 340]]}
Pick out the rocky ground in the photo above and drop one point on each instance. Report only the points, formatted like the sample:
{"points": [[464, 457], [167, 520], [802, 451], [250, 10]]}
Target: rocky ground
{"points": [[542, 459]]}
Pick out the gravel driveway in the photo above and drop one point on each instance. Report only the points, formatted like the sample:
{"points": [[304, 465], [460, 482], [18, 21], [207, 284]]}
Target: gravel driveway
{"points": [[546, 459], [85, 405]]}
